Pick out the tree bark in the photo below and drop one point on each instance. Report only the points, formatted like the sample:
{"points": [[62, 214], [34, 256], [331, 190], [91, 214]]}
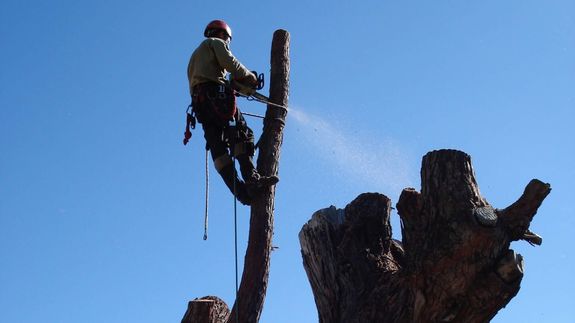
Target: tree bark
{"points": [[452, 265], [209, 309], [257, 260], [254, 281]]}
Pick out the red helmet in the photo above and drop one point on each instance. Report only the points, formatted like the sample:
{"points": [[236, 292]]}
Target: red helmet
{"points": [[217, 25]]}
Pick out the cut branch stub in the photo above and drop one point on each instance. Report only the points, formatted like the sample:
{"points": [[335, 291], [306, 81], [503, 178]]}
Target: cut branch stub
{"points": [[448, 175], [208, 309], [454, 263], [517, 217]]}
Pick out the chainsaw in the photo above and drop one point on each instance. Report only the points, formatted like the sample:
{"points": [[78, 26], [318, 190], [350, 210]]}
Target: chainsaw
{"points": [[250, 92]]}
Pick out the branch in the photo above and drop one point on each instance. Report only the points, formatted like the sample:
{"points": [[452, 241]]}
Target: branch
{"points": [[517, 217]]}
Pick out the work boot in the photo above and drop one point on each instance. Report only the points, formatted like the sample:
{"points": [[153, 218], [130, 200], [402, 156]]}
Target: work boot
{"points": [[254, 181], [243, 195], [257, 183], [264, 181]]}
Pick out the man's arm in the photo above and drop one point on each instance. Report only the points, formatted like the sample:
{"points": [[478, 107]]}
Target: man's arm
{"points": [[228, 61]]}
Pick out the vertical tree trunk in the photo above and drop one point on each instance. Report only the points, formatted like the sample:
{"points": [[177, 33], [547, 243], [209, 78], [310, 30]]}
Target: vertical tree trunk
{"points": [[453, 264], [257, 261], [254, 282]]}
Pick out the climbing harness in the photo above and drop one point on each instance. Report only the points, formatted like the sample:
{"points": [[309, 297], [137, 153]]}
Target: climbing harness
{"points": [[226, 92]]}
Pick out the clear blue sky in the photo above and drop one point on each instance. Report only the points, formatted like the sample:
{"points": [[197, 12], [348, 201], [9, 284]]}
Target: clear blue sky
{"points": [[101, 206]]}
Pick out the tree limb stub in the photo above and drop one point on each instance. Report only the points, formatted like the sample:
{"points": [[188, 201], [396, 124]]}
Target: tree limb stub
{"points": [[208, 309], [453, 264], [517, 217]]}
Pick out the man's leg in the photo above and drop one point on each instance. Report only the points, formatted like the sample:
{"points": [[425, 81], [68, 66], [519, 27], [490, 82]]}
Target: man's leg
{"points": [[244, 150], [223, 162]]}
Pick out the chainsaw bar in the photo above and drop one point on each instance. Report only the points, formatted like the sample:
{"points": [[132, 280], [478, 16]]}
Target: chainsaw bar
{"points": [[264, 99]]}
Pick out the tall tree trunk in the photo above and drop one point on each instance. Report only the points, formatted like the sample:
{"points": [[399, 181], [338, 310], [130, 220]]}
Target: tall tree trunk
{"points": [[253, 286], [254, 281], [452, 265]]}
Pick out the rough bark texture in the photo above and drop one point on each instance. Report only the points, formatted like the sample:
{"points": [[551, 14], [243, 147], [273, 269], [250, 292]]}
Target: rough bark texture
{"points": [[452, 265], [209, 309], [254, 281], [257, 260]]}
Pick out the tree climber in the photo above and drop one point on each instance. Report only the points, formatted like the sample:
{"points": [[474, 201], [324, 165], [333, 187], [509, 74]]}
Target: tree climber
{"points": [[214, 105]]}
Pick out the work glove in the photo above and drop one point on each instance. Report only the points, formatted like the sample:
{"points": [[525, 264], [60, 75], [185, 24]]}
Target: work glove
{"points": [[250, 80]]}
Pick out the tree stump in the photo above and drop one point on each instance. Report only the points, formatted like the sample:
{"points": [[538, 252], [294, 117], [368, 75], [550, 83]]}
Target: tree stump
{"points": [[452, 265], [208, 309]]}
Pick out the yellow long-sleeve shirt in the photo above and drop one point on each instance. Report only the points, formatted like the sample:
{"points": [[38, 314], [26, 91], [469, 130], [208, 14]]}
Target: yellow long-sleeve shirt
{"points": [[211, 61]]}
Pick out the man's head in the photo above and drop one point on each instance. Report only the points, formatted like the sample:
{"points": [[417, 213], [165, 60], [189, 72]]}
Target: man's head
{"points": [[219, 29]]}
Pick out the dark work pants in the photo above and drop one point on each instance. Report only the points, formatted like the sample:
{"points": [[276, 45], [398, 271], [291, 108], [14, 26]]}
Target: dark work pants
{"points": [[221, 139]]}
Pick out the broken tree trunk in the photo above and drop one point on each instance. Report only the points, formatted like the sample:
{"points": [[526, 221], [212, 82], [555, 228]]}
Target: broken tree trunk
{"points": [[254, 281], [452, 265]]}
